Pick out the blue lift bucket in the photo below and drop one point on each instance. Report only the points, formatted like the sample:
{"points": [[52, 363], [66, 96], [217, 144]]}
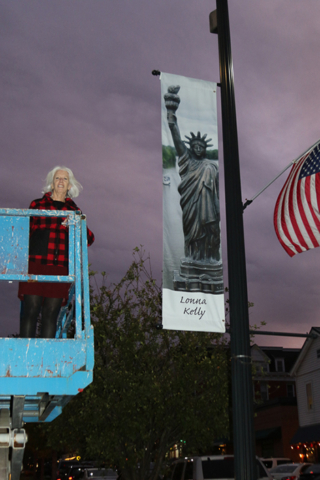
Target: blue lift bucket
{"points": [[38, 376]]}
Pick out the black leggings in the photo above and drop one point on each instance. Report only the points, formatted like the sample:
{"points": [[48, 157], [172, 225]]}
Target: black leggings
{"points": [[31, 311]]}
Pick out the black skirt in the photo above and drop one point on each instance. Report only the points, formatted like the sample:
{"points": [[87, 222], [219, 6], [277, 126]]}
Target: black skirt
{"points": [[45, 289]]}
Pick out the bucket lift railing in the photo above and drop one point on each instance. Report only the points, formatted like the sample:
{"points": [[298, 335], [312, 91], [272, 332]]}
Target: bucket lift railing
{"points": [[39, 376], [14, 257]]}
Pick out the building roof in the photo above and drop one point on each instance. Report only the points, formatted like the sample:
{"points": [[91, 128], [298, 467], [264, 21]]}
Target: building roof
{"points": [[289, 356], [305, 347], [271, 354]]}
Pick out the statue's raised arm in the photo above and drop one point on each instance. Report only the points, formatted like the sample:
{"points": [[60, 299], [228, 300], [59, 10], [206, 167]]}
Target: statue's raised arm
{"points": [[172, 101]]}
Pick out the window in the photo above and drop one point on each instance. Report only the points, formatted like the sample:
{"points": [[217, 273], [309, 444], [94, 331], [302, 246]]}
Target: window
{"points": [[290, 390], [264, 367], [261, 367], [309, 397], [223, 468], [279, 364]]}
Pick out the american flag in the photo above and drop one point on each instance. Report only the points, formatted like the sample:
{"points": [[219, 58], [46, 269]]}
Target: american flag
{"points": [[296, 214]]}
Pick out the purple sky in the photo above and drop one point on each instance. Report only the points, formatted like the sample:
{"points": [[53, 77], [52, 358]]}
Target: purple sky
{"points": [[76, 89]]}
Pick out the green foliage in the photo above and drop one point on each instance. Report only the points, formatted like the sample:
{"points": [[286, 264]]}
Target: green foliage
{"points": [[168, 156], [151, 387], [212, 154]]}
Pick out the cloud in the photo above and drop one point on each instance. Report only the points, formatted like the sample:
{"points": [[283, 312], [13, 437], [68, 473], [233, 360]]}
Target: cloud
{"points": [[76, 89]]}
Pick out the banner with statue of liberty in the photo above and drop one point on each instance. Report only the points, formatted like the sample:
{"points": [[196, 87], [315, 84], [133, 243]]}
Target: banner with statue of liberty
{"points": [[193, 297]]}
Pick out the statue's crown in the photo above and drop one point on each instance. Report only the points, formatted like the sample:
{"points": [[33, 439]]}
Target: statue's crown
{"points": [[198, 139]]}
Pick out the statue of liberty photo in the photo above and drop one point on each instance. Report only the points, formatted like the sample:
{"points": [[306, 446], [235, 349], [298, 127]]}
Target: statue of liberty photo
{"points": [[201, 269]]}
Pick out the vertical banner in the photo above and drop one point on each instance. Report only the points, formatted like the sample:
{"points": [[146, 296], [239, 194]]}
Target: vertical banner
{"points": [[193, 296]]}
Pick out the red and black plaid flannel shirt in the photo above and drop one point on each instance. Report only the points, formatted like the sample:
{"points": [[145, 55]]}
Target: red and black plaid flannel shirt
{"points": [[57, 252]]}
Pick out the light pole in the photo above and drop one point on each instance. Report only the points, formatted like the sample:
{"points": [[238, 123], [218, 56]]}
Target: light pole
{"points": [[242, 388]]}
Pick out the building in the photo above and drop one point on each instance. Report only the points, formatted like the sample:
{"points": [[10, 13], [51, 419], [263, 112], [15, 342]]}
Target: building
{"points": [[306, 371], [276, 412]]}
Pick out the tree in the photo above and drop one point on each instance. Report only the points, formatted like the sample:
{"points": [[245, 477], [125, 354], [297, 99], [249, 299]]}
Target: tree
{"points": [[168, 156], [152, 387], [212, 154]]}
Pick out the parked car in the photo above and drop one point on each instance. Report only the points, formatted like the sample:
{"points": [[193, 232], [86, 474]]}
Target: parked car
{"points": [[274, 462], [71, 469], [99, 474], [75, 472], [311, 473], [290, 471], [63, 467], [213, 467]]}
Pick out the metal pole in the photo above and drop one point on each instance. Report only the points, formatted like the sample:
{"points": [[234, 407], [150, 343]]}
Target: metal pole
{"points": [[281, 334], [242, 387]]}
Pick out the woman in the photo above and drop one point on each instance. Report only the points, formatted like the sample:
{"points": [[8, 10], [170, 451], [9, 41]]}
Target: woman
{"points": [[48, 255]]}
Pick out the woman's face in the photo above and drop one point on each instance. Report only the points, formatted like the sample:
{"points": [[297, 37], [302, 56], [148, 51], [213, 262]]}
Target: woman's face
{"points": [[61, 182]]}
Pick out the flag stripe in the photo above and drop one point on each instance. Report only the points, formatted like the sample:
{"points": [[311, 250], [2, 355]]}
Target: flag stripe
{"points": [[297, 210], [286, 219], [305, 236], [309, 219], [314, 205], [295, 215], [281, 226]]}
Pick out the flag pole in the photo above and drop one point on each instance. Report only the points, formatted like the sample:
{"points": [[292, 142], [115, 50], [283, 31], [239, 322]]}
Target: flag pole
{"points": [[248, 202]]}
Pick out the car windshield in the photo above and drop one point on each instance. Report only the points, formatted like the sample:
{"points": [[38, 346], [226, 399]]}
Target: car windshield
{"points": [[224, 468], [284, 469]]}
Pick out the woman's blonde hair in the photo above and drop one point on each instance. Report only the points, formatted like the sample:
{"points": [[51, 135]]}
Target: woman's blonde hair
{"points": [[75, 189]]}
